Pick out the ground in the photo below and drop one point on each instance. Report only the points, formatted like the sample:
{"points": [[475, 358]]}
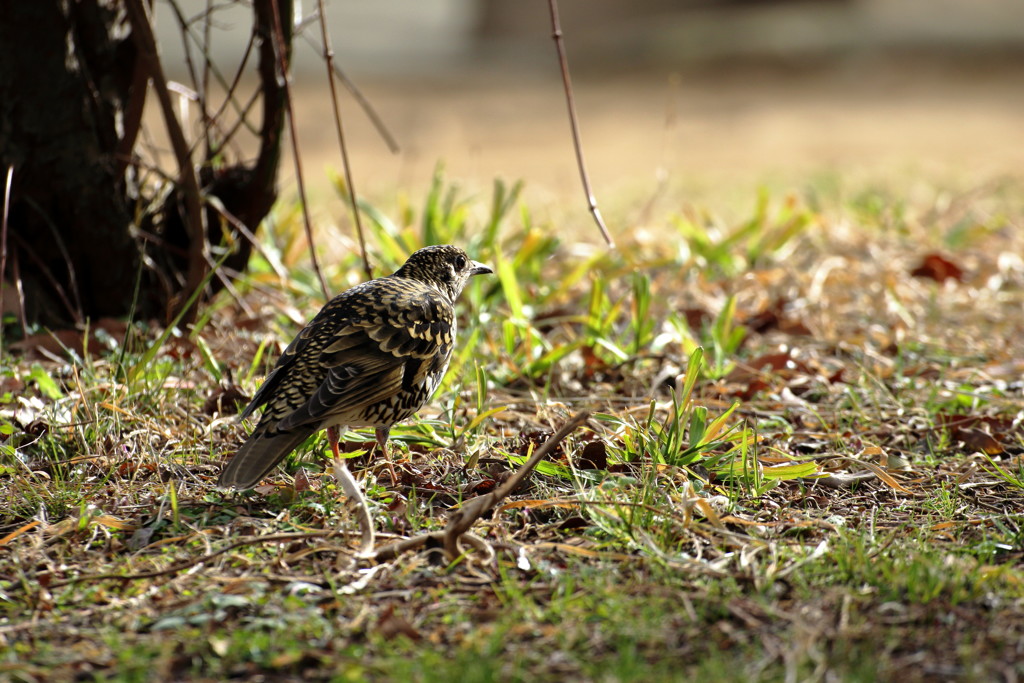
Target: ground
{"points": [[804, 454]]}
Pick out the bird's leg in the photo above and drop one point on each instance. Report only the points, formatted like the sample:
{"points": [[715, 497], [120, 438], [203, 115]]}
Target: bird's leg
{"points": [[352, 490], [382, 441], [333, 436]]}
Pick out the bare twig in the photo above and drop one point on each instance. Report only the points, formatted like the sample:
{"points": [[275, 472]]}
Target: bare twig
{"points": [[218, 206], [224, 275], [19, 287], [242, 122], [142, 33], [210, 68], [8, 183], [44, 270], [563, 62], [390, 551], [203, 559], [362, 101], [329, 60], [204, 87], [184, 30], [229, 97], [76, 310], [278, 37], [467, 515]]}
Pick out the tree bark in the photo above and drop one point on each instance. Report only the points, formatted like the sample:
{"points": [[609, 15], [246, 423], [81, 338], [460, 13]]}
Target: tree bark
{"points": [[64, 74], [81, 232]]}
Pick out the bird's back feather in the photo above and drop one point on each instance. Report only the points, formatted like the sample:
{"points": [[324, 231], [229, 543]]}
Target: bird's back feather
{"points": [[371, 357]]}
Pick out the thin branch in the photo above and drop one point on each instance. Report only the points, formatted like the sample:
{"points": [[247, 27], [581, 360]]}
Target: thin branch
{"points": [[229, 97], [241, 227], [198, 253], [8, 184], [279, 43], [184, 31], [329, 59], [202, 559], [467, 515], [44, 270], [204, 87], [19, 287], [563, 62], [242, 121], [210, 67], [360, 98], [225, 275], [76, 310]]}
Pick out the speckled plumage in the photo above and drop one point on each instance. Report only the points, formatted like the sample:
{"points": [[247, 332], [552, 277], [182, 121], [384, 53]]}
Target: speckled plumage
{"points": [[371, 357]]}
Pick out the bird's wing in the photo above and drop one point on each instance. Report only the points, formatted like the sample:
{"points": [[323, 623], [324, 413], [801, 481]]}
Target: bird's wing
{"points": [[274, 379], [383, 343]]}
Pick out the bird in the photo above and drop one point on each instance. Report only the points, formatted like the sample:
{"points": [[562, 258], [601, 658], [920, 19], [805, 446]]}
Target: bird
{"points": [[371, 357]]}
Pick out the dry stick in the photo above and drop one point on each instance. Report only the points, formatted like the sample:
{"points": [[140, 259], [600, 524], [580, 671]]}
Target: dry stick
{"points": [[563, 62], [201, 88], [225, 274], [217, 205], [229, 96], [77, 311], [329, 59], [8, 183], [242, 121], [204, 87], [198, 251], [214, 120], [195, 562], [364, 103], [20, 288], [286, 79], [467, 515], [45, 271], [202, 92], [184, 28]]}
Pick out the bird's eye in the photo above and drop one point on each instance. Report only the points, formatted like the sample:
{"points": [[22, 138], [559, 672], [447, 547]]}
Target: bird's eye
{"points": [[460, 262]]}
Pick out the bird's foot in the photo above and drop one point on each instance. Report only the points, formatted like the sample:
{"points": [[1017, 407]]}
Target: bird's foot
{"points": [[382, 442]]}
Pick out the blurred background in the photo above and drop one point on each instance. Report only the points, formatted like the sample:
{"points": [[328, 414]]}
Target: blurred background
{"points": [[700, 101]]}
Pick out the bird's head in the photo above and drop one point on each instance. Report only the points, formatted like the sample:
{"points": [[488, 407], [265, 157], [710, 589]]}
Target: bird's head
{"points": [[446, 267]]}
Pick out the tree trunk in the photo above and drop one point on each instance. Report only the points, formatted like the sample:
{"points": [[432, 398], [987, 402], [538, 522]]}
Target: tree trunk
{"points": [[81, 232], [63, 79]]}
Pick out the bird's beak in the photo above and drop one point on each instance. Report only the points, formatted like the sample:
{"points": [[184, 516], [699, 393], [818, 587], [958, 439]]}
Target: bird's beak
{"points": [[479, 269]]}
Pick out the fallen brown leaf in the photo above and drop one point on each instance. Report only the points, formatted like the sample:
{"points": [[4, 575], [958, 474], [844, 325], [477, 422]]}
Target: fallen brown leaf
{"points": [[593, 457], [977, 440], [391, 625], [937, 267]]}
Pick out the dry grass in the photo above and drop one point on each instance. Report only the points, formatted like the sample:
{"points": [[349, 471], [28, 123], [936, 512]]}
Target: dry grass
{"points": [[856, 517]]}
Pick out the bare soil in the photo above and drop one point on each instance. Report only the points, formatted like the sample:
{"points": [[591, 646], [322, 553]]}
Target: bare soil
{"points": [[708, 136]]}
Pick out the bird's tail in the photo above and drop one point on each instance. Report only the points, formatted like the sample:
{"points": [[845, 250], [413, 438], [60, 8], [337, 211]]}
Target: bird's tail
{"points": [[258, 456]]}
